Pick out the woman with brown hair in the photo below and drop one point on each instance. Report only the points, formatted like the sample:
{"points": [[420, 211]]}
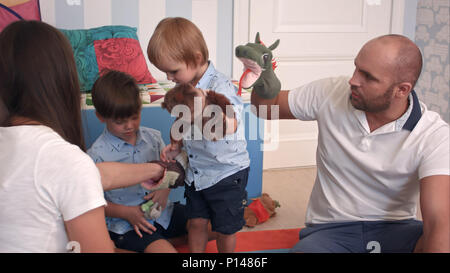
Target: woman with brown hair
{"points": [[50, 191]]}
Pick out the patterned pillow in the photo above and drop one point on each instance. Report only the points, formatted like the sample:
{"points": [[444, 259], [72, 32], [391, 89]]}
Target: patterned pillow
{"points": [[107, 47], [11, 11]]}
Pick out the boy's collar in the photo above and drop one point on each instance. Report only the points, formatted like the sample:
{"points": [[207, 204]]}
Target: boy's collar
{"points": [[206, 78], [118, 143]]}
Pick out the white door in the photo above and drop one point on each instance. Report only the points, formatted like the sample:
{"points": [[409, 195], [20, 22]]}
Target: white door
{"points": [[319, 38]]}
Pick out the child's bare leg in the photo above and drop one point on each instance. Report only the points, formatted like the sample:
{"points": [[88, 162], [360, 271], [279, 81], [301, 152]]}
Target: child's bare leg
{"points": [[226, 243], [198, 234], [183, 240], [160, 246]]}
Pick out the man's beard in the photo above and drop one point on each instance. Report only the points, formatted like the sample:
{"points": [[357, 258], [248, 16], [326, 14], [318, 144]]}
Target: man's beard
{"points": [[378, 104]]}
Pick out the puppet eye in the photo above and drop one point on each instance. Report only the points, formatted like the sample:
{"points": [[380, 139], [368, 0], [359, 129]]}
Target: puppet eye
{"points": [[265, 58]]}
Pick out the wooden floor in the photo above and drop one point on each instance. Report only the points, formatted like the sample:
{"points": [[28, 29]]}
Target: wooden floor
{"points": [[291, 187]]}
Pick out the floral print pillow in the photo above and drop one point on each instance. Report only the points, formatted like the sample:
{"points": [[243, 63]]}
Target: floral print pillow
{"points": [[108, 47]]}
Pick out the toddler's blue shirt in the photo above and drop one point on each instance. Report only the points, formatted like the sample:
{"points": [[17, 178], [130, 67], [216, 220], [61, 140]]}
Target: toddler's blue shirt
{"points": [[211, 161]]}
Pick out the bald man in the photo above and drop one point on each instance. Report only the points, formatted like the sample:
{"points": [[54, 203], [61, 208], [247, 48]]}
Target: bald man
{"points": [[379, 150]]}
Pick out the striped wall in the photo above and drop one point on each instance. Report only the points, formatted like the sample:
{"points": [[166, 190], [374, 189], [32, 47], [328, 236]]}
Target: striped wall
{"points": [[213, 17]]}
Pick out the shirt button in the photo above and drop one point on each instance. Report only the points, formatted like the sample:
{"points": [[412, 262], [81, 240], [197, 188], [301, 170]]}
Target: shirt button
{"points": [[365, 145]]}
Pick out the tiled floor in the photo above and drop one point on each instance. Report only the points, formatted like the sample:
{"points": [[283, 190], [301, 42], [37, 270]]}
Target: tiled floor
{"points": [[291, 187]]}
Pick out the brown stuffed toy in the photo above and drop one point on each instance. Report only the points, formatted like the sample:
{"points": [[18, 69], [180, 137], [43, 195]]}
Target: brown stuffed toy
{"points": [[260, 210], [184, 94]]}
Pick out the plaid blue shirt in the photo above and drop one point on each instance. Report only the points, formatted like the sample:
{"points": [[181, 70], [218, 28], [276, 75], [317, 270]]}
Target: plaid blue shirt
{"points": [[148, 147], [212, 161]]}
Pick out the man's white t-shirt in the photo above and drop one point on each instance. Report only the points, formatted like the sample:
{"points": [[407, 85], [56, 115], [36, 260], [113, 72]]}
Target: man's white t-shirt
{"points": [[364, 175], [44, 181]]}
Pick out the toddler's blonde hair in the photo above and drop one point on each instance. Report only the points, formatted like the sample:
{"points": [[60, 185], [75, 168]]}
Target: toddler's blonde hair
{"points": [[179, 40]]}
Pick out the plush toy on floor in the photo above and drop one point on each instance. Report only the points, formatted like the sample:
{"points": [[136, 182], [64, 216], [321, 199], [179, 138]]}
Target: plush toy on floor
{"points": [[260, 210], [259, 68]]}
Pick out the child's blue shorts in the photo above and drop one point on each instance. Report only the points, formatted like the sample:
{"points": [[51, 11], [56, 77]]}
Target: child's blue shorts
{"points": [[223, 203], [360, 237]]}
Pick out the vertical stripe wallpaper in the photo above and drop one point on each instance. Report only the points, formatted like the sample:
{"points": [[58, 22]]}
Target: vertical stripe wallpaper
{"points": [[213, 17], [91, 10], [69, 16], [124, 12], [179, 8]]}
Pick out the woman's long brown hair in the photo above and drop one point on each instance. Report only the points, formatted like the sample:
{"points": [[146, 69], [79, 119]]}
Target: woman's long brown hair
{"points": [[39, 80]]}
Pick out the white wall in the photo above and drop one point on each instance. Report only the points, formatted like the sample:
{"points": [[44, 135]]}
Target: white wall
{"points": [[214, 17]]}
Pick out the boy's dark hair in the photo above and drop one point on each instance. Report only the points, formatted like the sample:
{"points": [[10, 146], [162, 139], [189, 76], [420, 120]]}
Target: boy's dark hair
{"points": [[116, 95]]}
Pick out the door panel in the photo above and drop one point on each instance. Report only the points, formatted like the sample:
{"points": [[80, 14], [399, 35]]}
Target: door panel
{"points": [[318, 38]]}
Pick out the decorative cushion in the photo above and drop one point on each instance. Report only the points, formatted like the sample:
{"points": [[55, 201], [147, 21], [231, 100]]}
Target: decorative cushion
{"points": [[11, 11], [107, 47]]}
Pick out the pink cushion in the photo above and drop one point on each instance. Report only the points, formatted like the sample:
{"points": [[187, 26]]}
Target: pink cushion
{"points": [[107, 47], [123, 54], [28, 11]]}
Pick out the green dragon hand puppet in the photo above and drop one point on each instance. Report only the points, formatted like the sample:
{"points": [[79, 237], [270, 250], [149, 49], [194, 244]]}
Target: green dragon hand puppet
{"points": [[259, 68]]}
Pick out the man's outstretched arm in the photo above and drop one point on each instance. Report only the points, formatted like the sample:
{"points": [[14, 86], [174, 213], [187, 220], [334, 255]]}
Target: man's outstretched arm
{"points": [[280, 102]]}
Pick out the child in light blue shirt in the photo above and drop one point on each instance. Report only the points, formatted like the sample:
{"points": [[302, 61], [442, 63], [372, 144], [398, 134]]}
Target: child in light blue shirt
{"points": [[217, 174], [117, 102]]}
